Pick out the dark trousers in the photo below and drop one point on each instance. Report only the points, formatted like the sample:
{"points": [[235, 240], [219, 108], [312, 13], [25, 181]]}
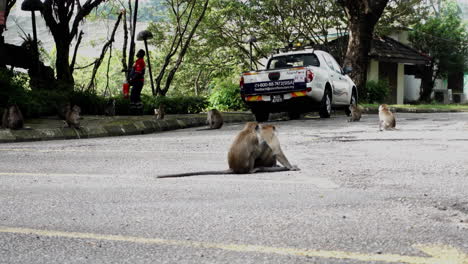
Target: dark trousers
{"points": [[135, 93], [136, 107]]}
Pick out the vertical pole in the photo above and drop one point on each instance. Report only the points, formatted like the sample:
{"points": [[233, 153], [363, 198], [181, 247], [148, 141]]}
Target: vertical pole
{"points": [[35, 48], [149, 67], [251, 59]]}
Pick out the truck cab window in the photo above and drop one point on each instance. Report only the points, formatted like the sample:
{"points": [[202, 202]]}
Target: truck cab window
{"points": [[296, 60]]}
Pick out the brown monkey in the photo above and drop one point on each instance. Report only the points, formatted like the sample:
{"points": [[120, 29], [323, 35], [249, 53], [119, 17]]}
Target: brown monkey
{"points": [[110, 108], [255, 149], [12, 117], [356, 112], [159, 113], [272, 150], [73, 117], [386, 118], [214, 120]]}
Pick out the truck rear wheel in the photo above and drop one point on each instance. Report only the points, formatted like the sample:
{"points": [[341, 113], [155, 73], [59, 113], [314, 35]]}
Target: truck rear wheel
{"points": [[261, 116], [325, 105]]}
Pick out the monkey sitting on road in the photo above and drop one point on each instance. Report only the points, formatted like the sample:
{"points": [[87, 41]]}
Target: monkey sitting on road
{"points": [[214, 120], [12, 118], [72, 117], [386, 118], [159, 113], [356, 112], [255, 149]]}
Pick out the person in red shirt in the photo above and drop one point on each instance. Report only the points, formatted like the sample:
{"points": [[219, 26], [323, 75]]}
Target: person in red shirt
{"points": [[136, 81]]}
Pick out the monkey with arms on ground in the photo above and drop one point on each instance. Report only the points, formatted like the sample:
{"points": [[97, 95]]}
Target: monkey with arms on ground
{"points": [[255, 149]]}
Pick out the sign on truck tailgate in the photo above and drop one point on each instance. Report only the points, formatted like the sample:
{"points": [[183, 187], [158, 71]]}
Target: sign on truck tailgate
{"points": [[274, 86]]}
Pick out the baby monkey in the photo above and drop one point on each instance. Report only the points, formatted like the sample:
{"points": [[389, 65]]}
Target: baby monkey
{"points": [[356, 112], [386, 118], [255, 149]]}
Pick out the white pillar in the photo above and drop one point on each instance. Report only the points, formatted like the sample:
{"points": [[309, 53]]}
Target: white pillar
{"points": [[400, 83], [373, 70]]}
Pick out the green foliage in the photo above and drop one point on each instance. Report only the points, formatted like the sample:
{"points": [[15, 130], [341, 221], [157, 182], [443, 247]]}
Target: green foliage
{"points": [[377, 92], [443, 36], [116, 76], [225, 95], [175, 105], [12, 87], [89, 102]]}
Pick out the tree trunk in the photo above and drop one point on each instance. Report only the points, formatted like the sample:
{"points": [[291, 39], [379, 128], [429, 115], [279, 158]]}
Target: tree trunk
{"points": [[427, 83], [362, 16], [359, 45], [62, 65]]}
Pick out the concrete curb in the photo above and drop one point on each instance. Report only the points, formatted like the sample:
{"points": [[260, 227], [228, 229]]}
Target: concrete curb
{"points": [[375, 110], [136, 128]]}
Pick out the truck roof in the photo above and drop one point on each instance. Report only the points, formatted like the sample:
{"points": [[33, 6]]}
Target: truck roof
{"points": [[299, 51]]}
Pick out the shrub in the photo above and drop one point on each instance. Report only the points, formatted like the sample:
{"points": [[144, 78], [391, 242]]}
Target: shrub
{"points": [[225, 95], [175, 104], [89, 102], [378, 91], [12, 87]]}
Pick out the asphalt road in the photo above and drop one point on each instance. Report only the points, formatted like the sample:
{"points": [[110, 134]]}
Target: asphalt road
{"points": [[362, 196]]}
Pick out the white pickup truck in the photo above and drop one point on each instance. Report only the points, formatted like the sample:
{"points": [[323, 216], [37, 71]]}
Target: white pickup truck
{"points": [[296, 82]]}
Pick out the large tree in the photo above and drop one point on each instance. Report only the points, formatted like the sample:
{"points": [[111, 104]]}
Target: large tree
{"points": [[9, 5], [63, 18], [362, 16], [184, 18], [444, 38]]}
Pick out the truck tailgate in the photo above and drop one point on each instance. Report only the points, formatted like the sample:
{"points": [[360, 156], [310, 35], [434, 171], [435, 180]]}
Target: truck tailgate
{"points": [[275, 81]]}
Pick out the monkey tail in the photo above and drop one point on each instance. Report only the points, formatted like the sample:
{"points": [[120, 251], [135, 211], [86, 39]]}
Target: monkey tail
{"points": [[270, 169], [188, 174]]}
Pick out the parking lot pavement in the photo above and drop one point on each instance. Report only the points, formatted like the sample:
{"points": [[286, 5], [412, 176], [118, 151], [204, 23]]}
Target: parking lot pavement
{"points": [[361, 196]]}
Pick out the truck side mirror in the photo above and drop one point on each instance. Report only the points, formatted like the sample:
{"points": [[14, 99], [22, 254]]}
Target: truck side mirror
{"points": [[347, 69]]}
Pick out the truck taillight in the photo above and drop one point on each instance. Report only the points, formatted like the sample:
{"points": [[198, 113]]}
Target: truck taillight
{"points": [[309, 76], [241, 83]]}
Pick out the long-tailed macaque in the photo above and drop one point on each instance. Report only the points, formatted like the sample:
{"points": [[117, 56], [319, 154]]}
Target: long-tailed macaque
{"points": [[386, 118], [356, 112], [255, 149], [159, 113], [110, 108], [72, 118], [214, 120], [12, 118]]}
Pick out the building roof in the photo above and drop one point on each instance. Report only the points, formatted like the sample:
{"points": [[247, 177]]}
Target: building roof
{"points": [[389, 50]]}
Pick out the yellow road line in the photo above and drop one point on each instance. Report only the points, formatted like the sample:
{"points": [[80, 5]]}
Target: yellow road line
{"points": [[55, 174], [105, 151], [437, 254]]}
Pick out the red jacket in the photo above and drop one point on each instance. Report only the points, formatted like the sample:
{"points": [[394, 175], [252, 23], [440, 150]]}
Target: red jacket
{"points": [[138, 72]]}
